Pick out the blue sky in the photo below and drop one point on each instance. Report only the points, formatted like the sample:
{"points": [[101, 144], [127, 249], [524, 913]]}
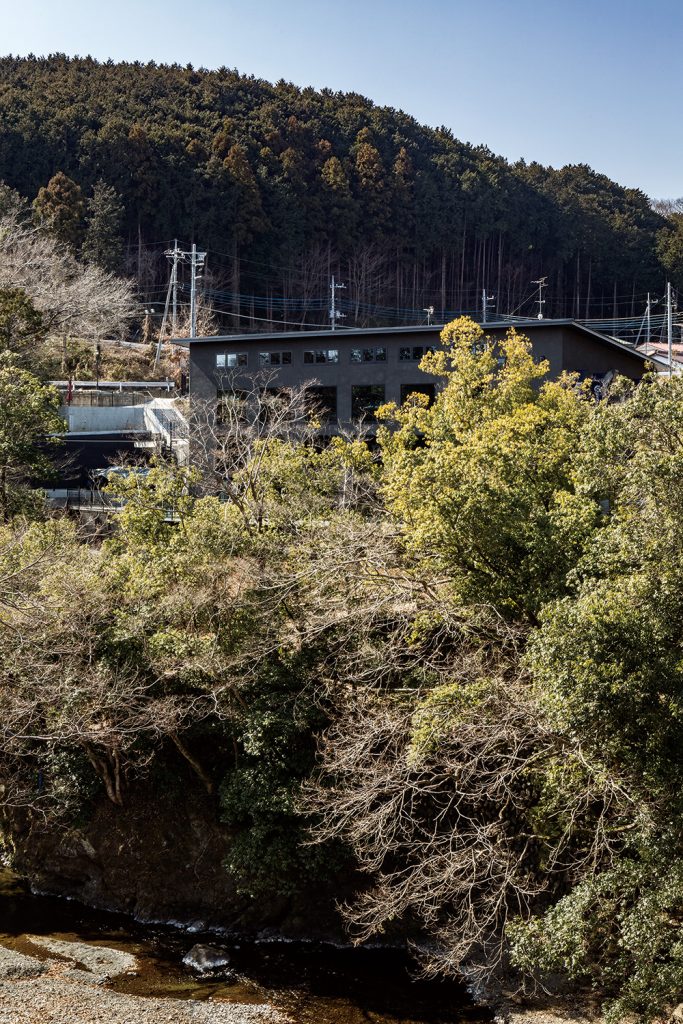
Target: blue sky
{"points": [[559, 82]]}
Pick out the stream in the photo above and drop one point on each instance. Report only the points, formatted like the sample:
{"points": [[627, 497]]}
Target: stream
{"points": [[312, 983]]}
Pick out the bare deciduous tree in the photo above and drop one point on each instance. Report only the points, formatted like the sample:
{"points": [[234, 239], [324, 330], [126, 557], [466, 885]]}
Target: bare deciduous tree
{"points": [[74, 298], [235, 440]]}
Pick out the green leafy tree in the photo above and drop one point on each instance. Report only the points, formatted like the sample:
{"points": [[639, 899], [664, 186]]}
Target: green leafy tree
{"points": [[442, 218], [11, 203], [246, 199], [670, 248], [482, 480], [29, 416], [607, 666]]}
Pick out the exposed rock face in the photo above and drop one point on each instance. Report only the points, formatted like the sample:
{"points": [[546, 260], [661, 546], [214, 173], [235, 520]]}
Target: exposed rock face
{"points": [[161, 857]]}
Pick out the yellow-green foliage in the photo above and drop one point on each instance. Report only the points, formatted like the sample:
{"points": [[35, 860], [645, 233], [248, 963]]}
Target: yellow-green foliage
{"points": [[440, 712], [482, 480]]}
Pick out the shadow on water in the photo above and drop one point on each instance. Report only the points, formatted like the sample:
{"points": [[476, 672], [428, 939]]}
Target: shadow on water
{"points": [[312, 983]]}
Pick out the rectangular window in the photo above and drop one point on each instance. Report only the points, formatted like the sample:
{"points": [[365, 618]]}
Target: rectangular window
{"points": [[275, 358], [220, 361], [322, 355], [368, 355], [234, 359], [322, 402], [366, 400], [417, 389]]}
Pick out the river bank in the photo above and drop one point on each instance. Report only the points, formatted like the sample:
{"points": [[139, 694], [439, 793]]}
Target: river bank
{"points": [[64, 983], [66, 963]]}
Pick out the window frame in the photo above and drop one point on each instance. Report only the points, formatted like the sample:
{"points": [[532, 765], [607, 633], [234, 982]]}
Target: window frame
{"points": [[314, 353], [375, 357], [281, 353], [424, 350], [223, 360]]}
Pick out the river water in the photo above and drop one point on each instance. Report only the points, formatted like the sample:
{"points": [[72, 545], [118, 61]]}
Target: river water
{"points": [[312, 983]]}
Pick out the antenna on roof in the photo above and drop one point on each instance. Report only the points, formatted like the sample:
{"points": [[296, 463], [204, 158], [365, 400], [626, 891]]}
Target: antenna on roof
{"points": [[542, 283], [429, 310]]}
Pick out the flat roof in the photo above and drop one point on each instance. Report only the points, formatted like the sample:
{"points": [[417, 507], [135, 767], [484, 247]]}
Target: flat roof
{"points": [[303, 333], [355, 332]]}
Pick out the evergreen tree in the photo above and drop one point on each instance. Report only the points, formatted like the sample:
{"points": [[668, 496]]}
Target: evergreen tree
{"points": [[59, 207], [102, 243], [11, 203], [261, 171], [21, 325]]}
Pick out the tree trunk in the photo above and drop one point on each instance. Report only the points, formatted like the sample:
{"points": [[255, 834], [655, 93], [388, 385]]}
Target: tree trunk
{"points": [[193, 762]]}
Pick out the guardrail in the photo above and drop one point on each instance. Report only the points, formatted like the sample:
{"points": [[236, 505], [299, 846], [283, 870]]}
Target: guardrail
{"points": [[115, 385], [83, 499]]}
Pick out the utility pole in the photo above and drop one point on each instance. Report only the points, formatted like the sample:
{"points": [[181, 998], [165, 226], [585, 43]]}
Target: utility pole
{"points": [[174, 284], [646, 322], [669, 327], [334, 312], [196, 263], [173, 255], [542, 283], [485, 300], [162, 329]]}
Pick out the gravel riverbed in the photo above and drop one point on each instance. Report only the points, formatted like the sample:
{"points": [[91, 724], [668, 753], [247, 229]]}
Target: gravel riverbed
{"points": [[69, 990]]}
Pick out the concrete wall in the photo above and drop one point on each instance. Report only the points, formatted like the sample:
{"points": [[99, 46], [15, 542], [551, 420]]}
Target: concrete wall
{"points": [[581, 354], [566, 347], [83, 418]]}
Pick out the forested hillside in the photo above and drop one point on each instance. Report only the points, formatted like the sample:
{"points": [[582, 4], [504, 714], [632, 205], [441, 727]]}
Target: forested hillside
{"points": [[284, 186]]}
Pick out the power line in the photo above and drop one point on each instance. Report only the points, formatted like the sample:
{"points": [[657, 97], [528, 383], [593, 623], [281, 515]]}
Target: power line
{"points": [[266, 319]]}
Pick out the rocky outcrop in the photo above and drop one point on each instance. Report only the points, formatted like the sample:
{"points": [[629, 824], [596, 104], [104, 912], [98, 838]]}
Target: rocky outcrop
{"points": [[161, 857], [209, 960]]}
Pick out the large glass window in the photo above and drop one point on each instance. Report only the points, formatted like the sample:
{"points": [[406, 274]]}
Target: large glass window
{"points": [[275, 358], [322, 402], [322, 355], [378, 354], [366, 400], [417, 389]]}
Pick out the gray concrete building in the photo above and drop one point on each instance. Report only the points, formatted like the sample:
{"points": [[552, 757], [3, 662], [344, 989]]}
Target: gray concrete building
{"points": [[353, 371]]}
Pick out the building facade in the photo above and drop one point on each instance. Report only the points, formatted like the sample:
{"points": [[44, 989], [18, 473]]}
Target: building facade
{"points": [[351, 372]]}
